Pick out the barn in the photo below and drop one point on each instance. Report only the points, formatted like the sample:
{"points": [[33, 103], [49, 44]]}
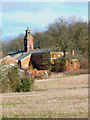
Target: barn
{"points": [[70, 62], [38, 59]]}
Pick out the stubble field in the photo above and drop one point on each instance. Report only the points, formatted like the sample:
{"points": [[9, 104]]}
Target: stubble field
{"points": [[56, 97]]}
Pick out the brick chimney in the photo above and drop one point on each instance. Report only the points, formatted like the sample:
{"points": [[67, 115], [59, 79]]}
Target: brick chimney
{"points": [[73, 52]]}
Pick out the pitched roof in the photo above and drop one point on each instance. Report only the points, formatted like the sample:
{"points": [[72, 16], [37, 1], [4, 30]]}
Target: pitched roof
{"points": [[34, 52], [70, 56], [14, 53]]}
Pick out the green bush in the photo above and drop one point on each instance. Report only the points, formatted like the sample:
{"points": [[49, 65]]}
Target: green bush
{"points": [[26, 84], [59, 66], [18, 88], [12, 82], [14, 79]]}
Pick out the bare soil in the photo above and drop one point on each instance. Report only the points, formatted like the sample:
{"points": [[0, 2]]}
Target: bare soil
{"points": [[57, 97]]}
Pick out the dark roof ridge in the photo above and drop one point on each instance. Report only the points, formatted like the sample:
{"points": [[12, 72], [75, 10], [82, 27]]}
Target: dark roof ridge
{"points": [[34, 52]]}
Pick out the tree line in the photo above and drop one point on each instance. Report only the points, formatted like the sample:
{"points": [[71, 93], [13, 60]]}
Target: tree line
{"points": [[63, 34]]}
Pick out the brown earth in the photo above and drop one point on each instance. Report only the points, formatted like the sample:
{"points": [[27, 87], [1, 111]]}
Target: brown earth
{"points": [[57, 97]]}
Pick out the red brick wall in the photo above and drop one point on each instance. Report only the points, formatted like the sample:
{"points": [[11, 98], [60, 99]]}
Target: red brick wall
{"points": [[75, 66]]}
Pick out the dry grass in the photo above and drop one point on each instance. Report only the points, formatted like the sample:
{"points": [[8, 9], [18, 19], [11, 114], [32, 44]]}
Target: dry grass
{"points": [[77, 72], [52, 98]]}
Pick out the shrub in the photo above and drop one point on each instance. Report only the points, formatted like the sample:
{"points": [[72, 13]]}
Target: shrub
{"points": [[59, 66], [14, 79], [26, 84], [18, 88], [84, 64]]}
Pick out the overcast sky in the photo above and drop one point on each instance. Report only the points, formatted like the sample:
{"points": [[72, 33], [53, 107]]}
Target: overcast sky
{"points": [[17, 16]]}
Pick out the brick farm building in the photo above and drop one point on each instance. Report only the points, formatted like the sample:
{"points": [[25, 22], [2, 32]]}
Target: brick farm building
{"points": [[40, 59]]}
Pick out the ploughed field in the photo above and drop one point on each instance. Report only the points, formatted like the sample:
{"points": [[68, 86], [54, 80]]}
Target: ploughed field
{"points": [[56, 97]]}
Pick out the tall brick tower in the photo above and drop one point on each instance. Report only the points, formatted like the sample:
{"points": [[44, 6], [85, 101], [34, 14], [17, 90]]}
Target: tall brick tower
{"points": [[28, 41]]}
